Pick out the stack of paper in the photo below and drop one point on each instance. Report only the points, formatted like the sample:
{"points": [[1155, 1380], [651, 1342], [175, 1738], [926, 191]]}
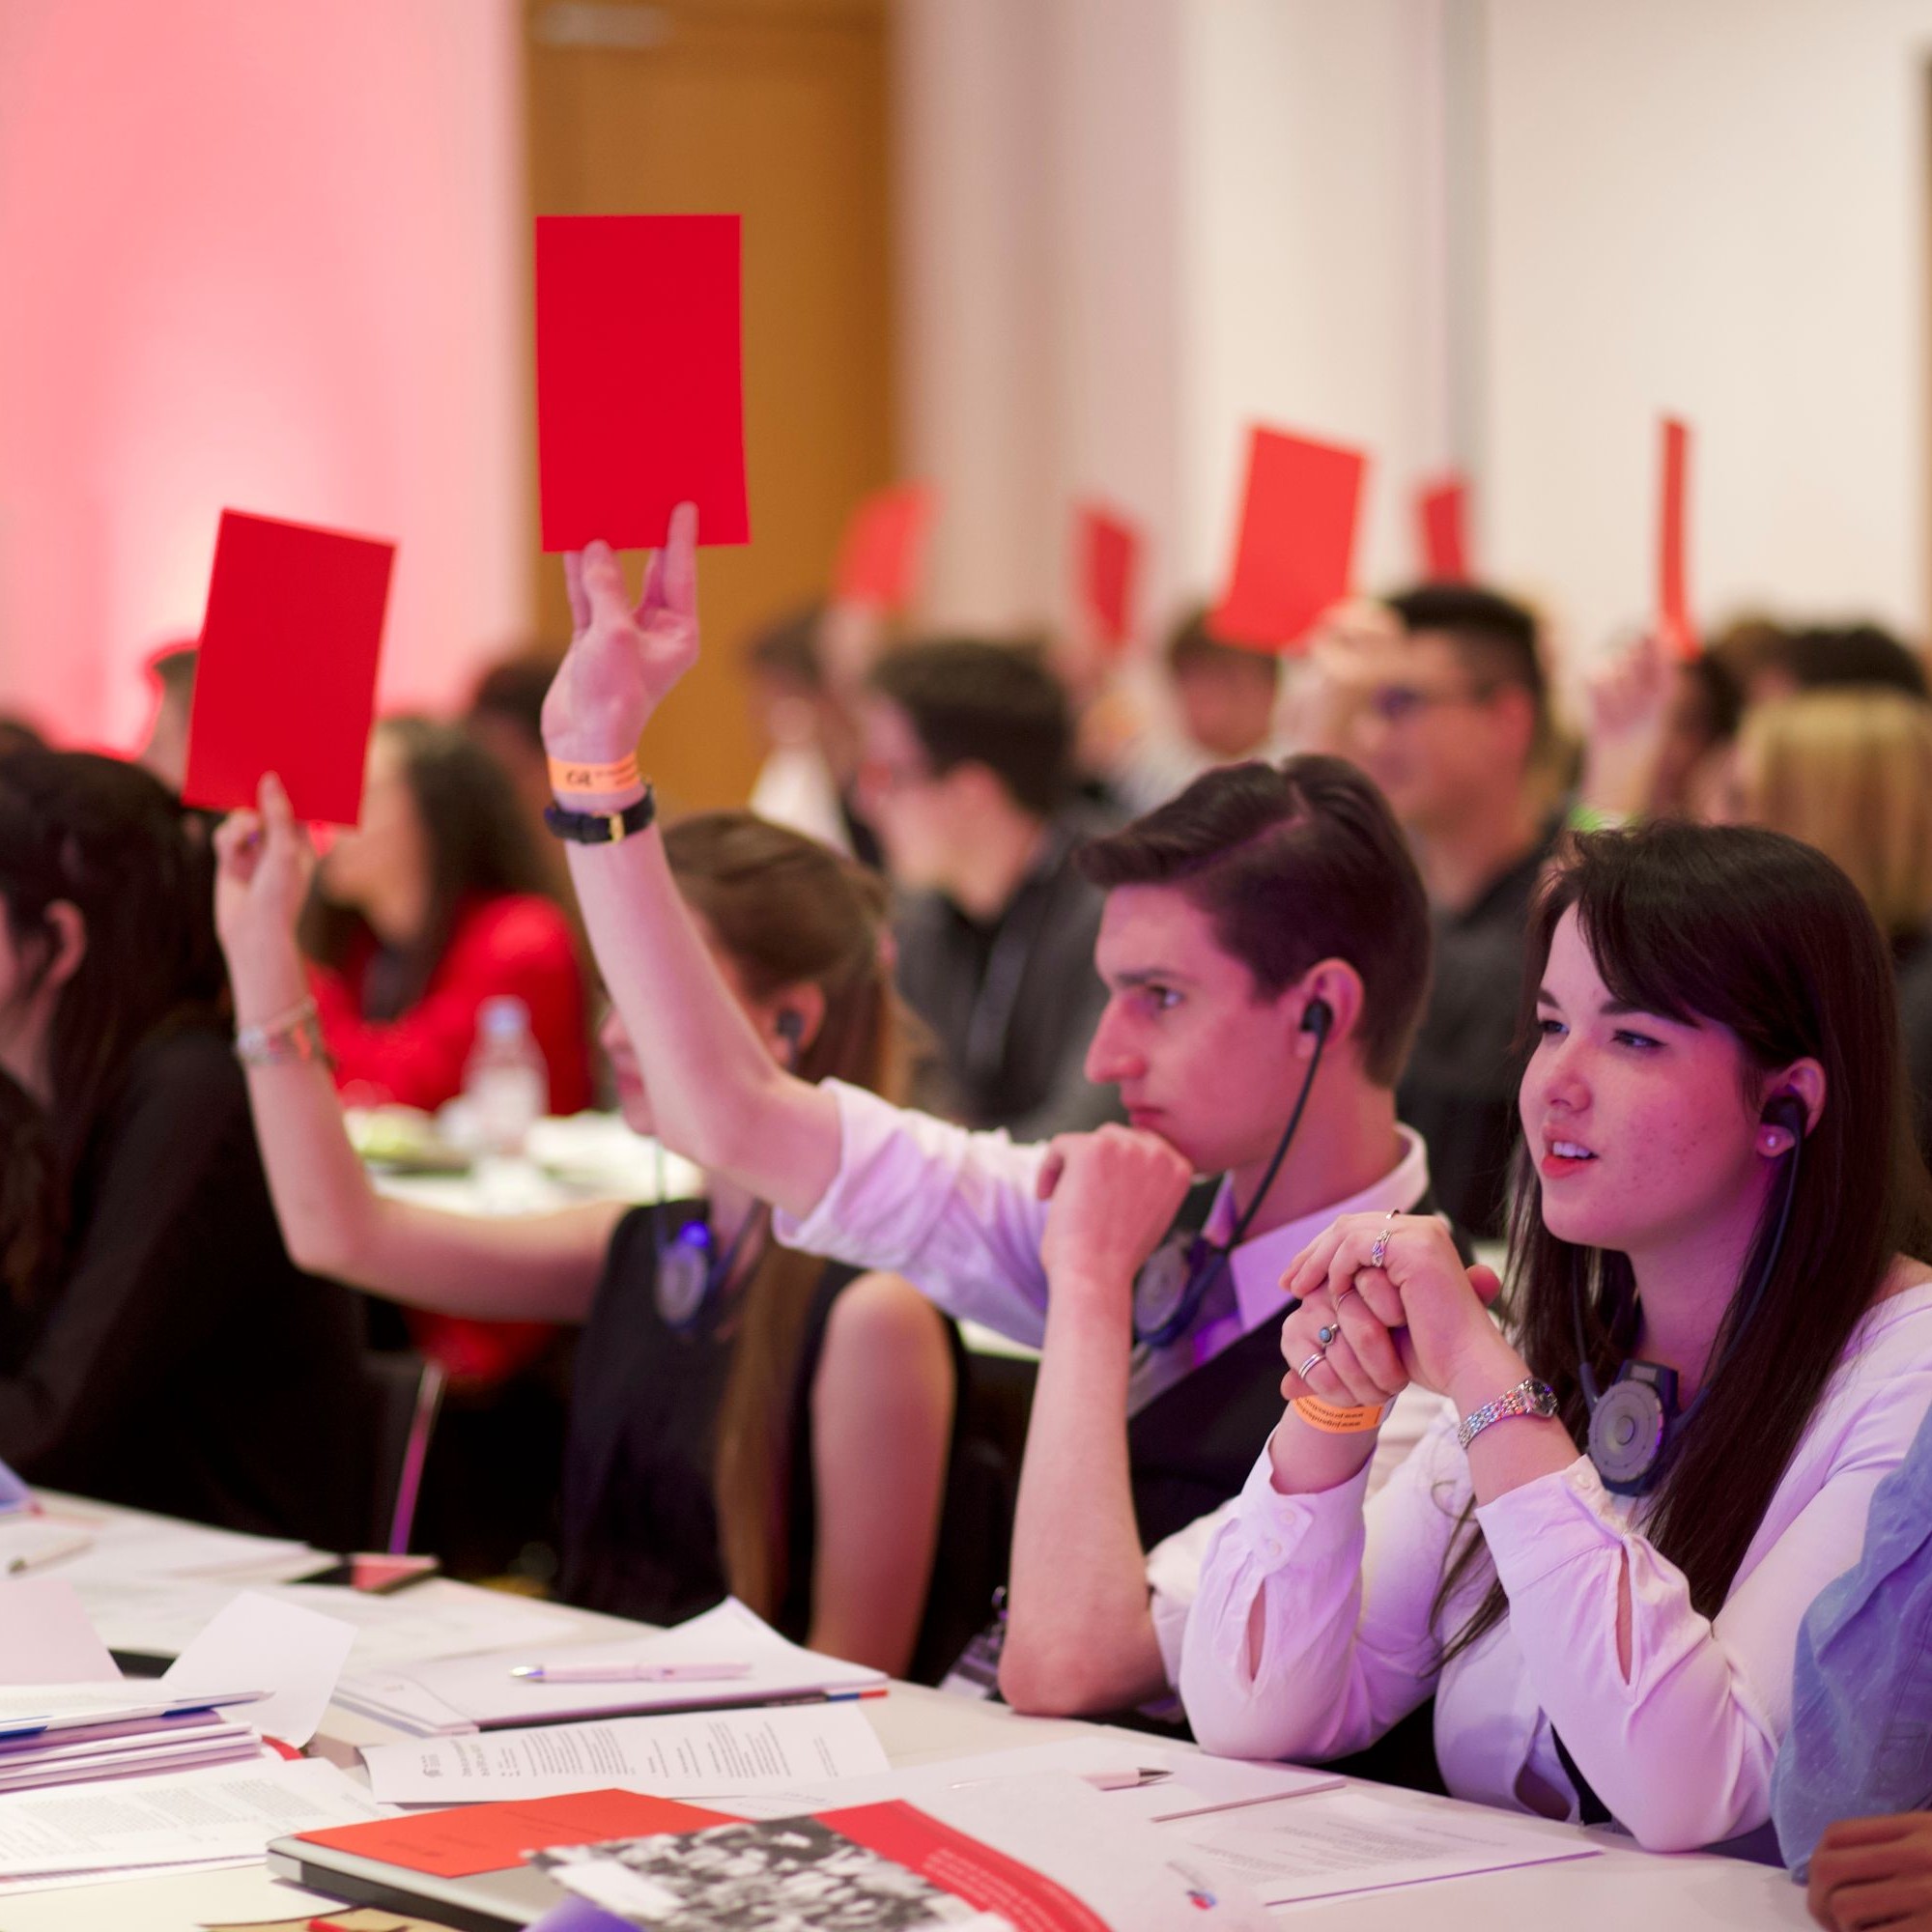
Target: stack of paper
{"points": [[726, 1657], [63, 1733]]}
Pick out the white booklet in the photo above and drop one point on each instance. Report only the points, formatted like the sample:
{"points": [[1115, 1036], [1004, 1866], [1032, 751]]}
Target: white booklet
{"points": [[1356, 1840], [753, 1662], [693, 1755]]}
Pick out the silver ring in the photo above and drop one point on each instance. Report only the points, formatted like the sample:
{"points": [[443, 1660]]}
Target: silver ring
{"points": [[1379, 1252], [1326, 1334], [1351, 1289], [1313, 1359]]}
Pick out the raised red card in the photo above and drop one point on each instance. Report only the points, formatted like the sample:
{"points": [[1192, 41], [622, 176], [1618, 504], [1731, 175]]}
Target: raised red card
{"points": [[286, 681], [1675, 626], [1107, 566], [470, 1838], [882, 553], [1298, 540], [640, 378], [1441, 515]]}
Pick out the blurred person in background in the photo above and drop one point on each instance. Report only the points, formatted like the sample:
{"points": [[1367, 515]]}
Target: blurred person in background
{"points": [[968, 778], [165, 751], [16, 734], [1659, 734], [157, 1346], [743, 1417], [1771, 662], [1446, 708], [1849, 770], [1224, 701], [811, 768], [433, 909]]}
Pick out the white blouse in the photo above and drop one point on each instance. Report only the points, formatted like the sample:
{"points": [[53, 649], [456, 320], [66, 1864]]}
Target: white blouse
{"points": [[1339, 1597]]}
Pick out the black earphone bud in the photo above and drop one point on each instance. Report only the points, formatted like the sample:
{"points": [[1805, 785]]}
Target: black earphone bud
{"points": [[790, 1028], [1316, 1017], [1787, 1111]]}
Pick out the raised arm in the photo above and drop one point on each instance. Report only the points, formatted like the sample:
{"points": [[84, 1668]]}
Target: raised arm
{"points": [[715, 1094], [536, 1267], [1080, 1636]]}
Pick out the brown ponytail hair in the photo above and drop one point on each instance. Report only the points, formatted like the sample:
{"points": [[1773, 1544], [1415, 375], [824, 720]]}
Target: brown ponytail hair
{"points": [[788, 910]]}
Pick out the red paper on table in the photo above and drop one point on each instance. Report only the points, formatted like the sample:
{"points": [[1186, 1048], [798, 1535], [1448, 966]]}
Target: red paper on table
{"points": [[882, 553], [1675, 626], [1441, 513], [286, 681], [1107, 562], [1296, 542], [470, 1838], [640, 400]]}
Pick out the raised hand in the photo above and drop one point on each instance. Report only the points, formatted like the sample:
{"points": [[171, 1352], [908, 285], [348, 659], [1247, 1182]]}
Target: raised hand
{"points": [[1115, 1193], [1628, 714], [263, 863], [1874, 1871], [622, 659]]}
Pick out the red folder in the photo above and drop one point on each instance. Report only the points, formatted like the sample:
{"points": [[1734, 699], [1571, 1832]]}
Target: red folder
{"points": [[1675, 625], [1441, 513], [1107, 567], [882, 553]]}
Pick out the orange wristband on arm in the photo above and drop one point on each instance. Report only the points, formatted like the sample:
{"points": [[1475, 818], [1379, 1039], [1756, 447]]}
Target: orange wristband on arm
{"points": [[567, 775], [1333, 1421]]}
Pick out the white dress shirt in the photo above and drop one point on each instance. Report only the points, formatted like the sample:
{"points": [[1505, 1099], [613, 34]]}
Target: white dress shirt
{"points": [[1682, 1751], [959, 1213]]}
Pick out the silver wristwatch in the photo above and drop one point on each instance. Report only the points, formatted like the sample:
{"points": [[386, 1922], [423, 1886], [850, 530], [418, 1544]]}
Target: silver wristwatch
{"points": [[1529, 1397]]}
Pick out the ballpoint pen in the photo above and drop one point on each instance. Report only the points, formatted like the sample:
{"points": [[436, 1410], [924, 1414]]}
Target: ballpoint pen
{"points": [[630, 1673]]}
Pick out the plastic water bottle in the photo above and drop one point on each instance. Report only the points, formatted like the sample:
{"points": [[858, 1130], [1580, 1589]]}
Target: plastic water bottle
{"points": [[506, 1082]]}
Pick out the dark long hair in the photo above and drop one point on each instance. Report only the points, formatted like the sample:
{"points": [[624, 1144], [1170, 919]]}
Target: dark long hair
{"points": [[478, 843], [788, 910], [1753, 932], [112, 841]]}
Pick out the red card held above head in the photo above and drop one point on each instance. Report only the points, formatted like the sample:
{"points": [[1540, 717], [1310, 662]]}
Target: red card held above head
{"points": [[882, 553], [639, 377], [1676, 629], [1107, 563], [286, 680], [1296, 544], [1441, 515], [470, 1838]]}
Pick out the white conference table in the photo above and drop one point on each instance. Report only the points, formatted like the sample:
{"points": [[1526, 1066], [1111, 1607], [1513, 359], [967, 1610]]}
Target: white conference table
{"points": [[1621, 1890]]}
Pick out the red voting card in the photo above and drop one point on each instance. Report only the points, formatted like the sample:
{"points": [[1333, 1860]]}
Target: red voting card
{"points": [[1675, 626], [1441, 512], [882, 555], [286, 682], [639, 387], [1107, 565], [470, 1838], [1296, 541]]}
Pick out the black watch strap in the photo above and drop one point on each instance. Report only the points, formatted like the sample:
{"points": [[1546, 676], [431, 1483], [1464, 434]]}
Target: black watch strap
{"points": [[602, 828]]}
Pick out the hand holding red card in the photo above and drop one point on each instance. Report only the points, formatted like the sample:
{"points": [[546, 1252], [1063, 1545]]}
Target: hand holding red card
{"points": [[622, 660], [1296, 544], [286, 681], [882, 555], [1675, 625], [1442, 511], [640, 381], [1107, 560]]}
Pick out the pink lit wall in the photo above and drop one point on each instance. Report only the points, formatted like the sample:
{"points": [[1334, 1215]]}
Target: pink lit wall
{"points": [[267, 255]]}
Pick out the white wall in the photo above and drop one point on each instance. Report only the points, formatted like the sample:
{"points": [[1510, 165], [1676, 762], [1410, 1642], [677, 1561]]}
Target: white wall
{"points": [[269, 256], [1719, 208]]}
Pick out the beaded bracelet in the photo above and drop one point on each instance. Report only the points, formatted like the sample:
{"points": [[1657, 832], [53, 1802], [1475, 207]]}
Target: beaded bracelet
{"points": [[292, 1036]]}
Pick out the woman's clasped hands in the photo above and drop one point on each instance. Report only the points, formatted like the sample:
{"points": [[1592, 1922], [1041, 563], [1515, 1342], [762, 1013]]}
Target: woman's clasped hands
{"points": [[1386, 1301]]}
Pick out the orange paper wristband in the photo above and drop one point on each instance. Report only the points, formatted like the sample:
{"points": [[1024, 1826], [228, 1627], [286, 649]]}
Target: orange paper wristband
{"points": [[568, 776], [1333, 1421]]}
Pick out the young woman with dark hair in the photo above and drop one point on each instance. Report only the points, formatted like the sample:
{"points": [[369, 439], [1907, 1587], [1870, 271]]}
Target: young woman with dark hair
{"points": [[433, 904], [743, 1417], [157, 1346], [1717, 1286]]}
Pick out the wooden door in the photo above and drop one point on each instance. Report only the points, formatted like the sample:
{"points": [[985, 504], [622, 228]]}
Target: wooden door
{"points": [[776, 110]]}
